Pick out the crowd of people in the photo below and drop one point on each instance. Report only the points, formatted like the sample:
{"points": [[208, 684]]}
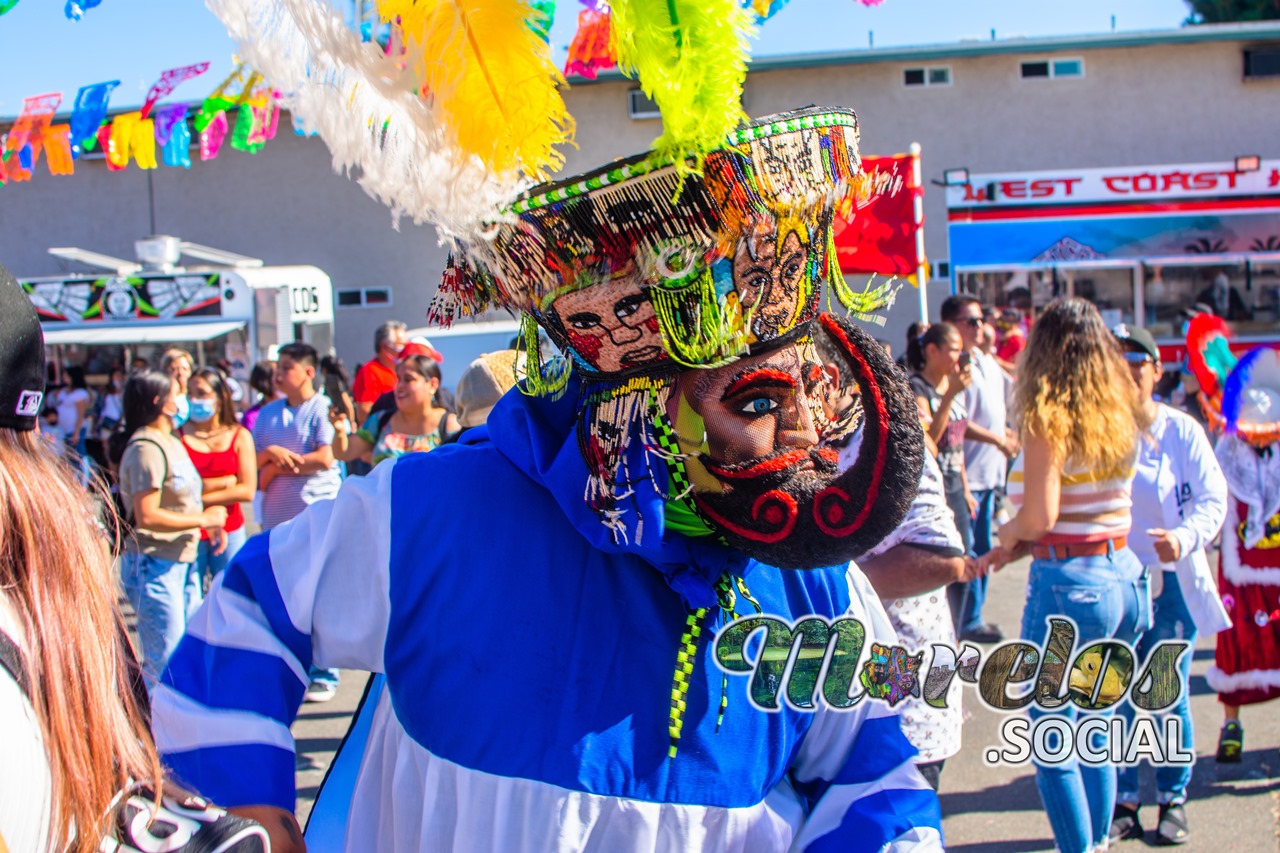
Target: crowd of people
{"points": [[1115, 496], [194, 460], [620, 517]]}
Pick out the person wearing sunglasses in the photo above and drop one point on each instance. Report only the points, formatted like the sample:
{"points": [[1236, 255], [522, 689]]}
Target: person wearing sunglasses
{"points": [[988, 447], [1179, 503]]}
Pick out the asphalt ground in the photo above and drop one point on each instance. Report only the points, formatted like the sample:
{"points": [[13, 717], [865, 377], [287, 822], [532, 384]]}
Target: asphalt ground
{"points": [[1232, 807]]}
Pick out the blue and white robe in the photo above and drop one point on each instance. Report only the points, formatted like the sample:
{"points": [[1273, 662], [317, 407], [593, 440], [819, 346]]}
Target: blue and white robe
{"points": [[528, 666]]}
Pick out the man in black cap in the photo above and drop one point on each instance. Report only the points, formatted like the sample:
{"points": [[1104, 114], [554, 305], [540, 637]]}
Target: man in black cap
{"points": [[1179, 502]]}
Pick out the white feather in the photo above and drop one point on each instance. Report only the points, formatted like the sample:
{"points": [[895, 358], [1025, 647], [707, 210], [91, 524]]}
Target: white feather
{"points": [[346, 91]]}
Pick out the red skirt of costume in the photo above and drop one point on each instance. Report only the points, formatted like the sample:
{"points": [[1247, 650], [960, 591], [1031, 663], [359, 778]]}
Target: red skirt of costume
{"points": [[1246, 667]]}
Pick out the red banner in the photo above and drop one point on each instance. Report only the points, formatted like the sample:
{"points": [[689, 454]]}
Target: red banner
{"points": [[881, 238]]}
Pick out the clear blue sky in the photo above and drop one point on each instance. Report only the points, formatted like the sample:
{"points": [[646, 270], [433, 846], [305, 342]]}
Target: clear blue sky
{"points": [[134, 40]]}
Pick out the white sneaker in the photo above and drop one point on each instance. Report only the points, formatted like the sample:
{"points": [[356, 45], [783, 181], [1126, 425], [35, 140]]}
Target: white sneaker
{"points": [[320, 691]]}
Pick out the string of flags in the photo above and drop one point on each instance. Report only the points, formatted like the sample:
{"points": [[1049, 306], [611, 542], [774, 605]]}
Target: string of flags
{"points": [[74, 10], [592, 50], [478, 129], [242, 109]]}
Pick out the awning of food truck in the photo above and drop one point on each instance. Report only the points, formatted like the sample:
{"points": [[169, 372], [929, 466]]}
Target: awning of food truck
{"points": [[138, 333]]}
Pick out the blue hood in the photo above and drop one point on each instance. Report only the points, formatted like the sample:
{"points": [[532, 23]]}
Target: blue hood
{"points": [[539, 436]]}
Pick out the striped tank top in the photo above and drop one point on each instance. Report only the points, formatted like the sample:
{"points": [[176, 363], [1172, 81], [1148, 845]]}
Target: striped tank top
{"points": [[1094, 506]]}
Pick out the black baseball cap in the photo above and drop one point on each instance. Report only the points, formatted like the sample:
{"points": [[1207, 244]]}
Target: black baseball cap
{"points": [[1140, 338], [21, 357]]}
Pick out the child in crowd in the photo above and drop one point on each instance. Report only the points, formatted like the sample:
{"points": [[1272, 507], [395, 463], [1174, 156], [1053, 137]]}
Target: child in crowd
{"points": [[296, 466], [50, 431]]}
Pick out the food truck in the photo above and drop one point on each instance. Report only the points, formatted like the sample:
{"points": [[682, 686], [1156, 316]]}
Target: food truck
{"points": [[1143, 243], [239, 310]]}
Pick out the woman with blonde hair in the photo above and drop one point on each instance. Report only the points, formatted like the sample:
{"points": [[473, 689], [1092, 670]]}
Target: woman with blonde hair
{"points": [[73, 727], [1080, 418]]}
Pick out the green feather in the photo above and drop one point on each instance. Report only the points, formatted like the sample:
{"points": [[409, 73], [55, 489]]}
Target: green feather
{"points": [[691, 60]]}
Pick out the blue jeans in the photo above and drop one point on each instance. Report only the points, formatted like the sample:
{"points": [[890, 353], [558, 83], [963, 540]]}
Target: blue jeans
{"points": [[164, 594], [1172, 622], [975, 591], [1108, 597], [209, 564]]}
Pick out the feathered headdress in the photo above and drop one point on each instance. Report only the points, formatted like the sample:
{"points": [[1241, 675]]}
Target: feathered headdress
{"points": [[1239, 395], [637, 268]]}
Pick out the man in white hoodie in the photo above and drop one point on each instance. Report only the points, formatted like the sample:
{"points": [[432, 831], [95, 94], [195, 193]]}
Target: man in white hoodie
{"points": [[1179, 502]]}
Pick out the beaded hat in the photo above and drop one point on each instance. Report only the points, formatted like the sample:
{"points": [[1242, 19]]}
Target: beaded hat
{"points": [[639, 272], [639, 268]]}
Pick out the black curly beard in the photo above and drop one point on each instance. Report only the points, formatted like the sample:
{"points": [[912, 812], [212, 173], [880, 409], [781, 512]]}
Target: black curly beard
{"points": [[796, 509]]}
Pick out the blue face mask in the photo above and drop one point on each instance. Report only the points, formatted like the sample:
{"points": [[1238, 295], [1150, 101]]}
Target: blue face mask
{"points": [[202, 410], [184, 411]]}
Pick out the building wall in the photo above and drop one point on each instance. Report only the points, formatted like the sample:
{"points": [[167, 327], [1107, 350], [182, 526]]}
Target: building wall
{"points": [[1163, 103]]}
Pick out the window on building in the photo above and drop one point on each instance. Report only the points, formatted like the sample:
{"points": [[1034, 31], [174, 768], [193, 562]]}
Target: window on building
{"points": [[1262, 63], [1068, 68], [937, 76], [364, 297], [1046, 69], [640, 106]]}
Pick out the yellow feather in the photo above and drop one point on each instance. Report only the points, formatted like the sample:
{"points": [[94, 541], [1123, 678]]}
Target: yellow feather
{"points": [[489, 75]]}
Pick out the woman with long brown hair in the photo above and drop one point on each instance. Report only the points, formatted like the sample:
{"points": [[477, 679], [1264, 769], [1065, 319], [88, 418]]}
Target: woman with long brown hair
{"points": [[57, 607], [73, 730], [1080, 418]]}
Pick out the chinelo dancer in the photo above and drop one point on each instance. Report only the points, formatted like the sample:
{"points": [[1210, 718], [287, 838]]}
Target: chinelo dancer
{"points": [[1241, 399], [548, 635]]}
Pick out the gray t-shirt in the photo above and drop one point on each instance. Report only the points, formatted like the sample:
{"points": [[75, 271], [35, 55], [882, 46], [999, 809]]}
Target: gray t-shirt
{"points": [[157, 460], [302, 429]]}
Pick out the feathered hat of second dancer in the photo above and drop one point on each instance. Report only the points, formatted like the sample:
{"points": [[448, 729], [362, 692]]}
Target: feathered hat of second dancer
{"points": [[1238, 394], [638, 271]]}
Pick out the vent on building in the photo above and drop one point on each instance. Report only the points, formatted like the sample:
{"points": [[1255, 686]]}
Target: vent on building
{"points": [[1045, 69], [364, 297], [937, 76], [640, 106], [1262, 63], [941, 269]]}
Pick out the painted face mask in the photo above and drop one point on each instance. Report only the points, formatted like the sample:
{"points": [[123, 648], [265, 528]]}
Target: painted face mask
{"points": [[767, 447]]}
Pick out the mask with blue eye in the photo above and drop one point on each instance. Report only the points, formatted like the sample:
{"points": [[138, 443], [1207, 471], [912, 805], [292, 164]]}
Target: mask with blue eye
{"points": [[768, 445]]}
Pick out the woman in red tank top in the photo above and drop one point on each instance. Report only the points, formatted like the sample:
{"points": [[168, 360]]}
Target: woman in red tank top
{"points": [[223, 453]]}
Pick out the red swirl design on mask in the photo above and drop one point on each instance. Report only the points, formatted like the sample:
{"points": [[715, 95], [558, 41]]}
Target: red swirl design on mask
{"points": [[776, 509], [830, 508], [877, 414]]}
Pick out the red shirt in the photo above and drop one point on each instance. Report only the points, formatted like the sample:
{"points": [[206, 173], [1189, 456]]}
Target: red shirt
{"points": [[226, 463], [373, 379]]}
